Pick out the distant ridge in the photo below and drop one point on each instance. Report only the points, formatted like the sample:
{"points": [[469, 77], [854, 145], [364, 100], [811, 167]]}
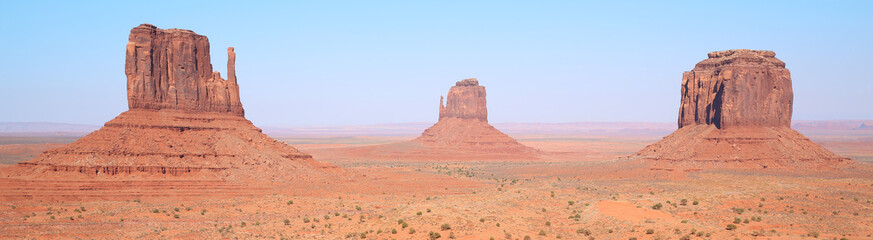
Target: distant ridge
{"points": [[415, 128], [45, 127]]}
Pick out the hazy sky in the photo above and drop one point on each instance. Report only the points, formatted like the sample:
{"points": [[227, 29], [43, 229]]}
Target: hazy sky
{"points": [[365, 62]]}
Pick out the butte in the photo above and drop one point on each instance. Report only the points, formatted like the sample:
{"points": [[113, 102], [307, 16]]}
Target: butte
{"points": [[184, 121], [736, 113], [462, 133]]}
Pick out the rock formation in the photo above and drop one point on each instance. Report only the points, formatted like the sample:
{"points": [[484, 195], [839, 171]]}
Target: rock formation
{"points": [[466, 100], [736, 112], [463, 123], [171, 69], [183, 118], [737, 88]]}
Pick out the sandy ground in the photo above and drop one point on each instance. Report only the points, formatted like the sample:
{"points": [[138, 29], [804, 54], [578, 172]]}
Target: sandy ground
{"points": [[583, 191]]}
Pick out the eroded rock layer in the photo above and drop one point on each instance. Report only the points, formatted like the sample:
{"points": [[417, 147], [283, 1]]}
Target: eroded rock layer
{"points": [[463, 123], [466, 100], [183, 119], [171, 69], [176, 142], [736, 112], [737, 88]]}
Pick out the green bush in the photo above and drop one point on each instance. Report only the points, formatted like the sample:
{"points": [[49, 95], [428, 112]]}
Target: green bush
{"points": [[731, 227], [657, 206], [446, 226]]}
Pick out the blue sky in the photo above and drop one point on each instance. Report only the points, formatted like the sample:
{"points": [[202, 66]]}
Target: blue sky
{"points": [[366, 62]]}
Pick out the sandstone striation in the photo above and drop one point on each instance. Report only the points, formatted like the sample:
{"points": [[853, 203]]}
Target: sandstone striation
{"points": [[736, 112], [171, 69], [737, 88], [463, 123], [466, 100], [183, 119]]}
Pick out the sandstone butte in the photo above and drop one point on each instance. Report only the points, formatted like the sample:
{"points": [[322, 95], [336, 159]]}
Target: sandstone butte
{"points": [[463, 124], [736, 113], [183, 118]]}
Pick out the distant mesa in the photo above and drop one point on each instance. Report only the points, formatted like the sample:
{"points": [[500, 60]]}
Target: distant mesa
{"points": [[463, 123], [183, 118], [462, 133], [736, 112]]}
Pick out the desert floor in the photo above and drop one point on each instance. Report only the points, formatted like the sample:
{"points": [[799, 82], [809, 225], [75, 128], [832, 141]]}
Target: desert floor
{"points": [[576, 192]]}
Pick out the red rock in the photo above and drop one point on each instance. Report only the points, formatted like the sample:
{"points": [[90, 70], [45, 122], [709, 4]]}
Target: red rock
{"points": [[737, 88], [736, 112], [183, 119], [466, 100], [463, 123], [171, 69]]}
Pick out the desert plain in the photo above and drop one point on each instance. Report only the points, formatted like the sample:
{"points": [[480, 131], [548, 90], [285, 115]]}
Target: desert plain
{"points": [[584, 185]]}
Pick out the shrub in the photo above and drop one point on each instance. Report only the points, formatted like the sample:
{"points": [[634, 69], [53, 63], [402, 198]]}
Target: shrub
{"points": [[657, 206], [434, 235], [812, 234], [737, 220], [650, 231], [731, 227], [287, 221], [571, 202], [542, 233], [548, 223], [175, 215], [683, 202], [404, 225], [411, 230], [695, 202], [583, 231], [446, 226], [482, 220], [393, 231], [290, 202], [363, 235], [418, 213]]}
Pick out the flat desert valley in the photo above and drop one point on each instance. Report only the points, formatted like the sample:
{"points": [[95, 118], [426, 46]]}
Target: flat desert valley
{"points": [[585, 185]]}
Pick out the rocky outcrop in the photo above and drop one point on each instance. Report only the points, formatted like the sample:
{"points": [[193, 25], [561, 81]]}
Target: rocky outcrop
{"points": [[466, 100], [183, 120], [463, 124], [737, 88], [171, 69], [736, 112]]}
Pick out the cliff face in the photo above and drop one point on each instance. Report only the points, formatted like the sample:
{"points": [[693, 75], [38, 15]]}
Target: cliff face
{"points": [[737, 88], [171, 69], [466, 100], [183, 119], [463, 124], [736, 112]]}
